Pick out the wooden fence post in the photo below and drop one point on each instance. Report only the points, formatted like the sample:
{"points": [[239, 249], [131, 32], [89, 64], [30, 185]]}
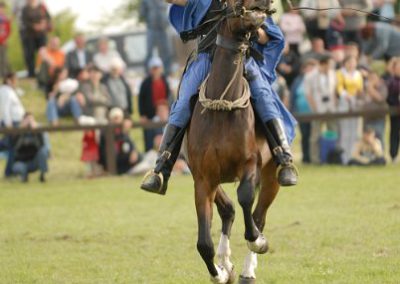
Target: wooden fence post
{"points": [[110, 150]]}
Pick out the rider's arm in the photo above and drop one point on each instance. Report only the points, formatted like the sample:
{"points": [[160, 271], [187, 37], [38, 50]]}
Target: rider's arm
{"points": [[178, 2], [262, 36]]}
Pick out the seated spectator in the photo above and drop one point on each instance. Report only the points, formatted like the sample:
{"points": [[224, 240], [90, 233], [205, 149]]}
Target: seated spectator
{"points": [[393, 100], [31, 151], [51, 58], [381, 41], [376, 95], [126, 154], [5, 30], [79, 58], [97, 99], [106, 56], [350, 88], [354, 20], [368, 151], [317, 50], [154, 91], [289, 66], [36, 23], [384, 8], [118, 88], [300, 105], [11, 109], [64, 100], [320, 89], [294, 29], [11, 114]]}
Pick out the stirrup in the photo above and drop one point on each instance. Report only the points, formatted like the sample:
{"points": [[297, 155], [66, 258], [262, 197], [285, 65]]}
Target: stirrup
{"points": [[149, 174]]}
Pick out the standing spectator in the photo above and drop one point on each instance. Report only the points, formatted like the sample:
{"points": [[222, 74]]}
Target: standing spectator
{"points": [[106, 56], [289, 66], [11, 109], [79, 58], [36, 24], [293, 27], [64, 100], [350, 89], [354, 21], [394, 101], [300, 105], [381, 40], [5, 30], [126, 154], [368, 151], [97, 99], [280, 86], [155, 13], [118, 88], [31, 151], [320, 89], [317, 49], [317, 23], [376, 95], [51, 57], [154, 92]]}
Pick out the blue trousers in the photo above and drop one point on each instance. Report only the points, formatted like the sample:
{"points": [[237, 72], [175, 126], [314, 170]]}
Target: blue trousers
{"points": [[160, 40], [266, 101], [71, 107], [39, 163]]}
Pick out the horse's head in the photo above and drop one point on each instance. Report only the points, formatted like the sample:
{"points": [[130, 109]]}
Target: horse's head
{"points": [[247, 15]]}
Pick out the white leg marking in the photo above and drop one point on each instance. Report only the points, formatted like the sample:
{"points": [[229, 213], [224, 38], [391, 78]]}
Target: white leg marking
{"points": [[223, 275], [250, 265], [224, 253]]}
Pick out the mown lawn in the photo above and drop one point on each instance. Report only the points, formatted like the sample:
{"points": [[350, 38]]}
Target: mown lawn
{"points": [[340, 225]]}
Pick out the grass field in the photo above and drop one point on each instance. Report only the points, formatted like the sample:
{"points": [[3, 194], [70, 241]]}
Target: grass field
{"points": [[339, 226]]}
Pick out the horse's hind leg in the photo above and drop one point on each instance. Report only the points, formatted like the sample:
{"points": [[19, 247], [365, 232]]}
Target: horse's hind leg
{"points": [[204, 196], [226, 211], [269, 190], [246, 195]]}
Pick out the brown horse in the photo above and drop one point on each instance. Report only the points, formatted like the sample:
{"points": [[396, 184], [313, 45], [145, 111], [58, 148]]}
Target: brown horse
{"points": [[223, 146]]}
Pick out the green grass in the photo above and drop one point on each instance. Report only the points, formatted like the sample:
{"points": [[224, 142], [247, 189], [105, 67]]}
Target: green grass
{"points": [[340, 225]]}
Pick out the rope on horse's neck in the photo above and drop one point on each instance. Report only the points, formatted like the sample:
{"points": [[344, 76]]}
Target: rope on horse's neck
{"points": [[224, 105]]}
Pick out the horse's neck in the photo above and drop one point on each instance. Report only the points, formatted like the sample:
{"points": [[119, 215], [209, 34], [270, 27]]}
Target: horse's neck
{"points": [[227, 67]]}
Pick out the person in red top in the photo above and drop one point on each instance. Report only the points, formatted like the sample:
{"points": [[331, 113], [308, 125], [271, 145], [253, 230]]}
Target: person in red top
{"points": [[154, 97], [5, 30]]}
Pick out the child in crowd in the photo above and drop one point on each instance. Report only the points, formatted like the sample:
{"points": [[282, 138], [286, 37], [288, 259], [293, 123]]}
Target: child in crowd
{"points": [[368, 151]]}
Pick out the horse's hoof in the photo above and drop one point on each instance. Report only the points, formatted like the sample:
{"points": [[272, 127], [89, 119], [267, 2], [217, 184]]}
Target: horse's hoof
{"points": [[232, 276], [245, 280], [223, 276], [259, 246]]}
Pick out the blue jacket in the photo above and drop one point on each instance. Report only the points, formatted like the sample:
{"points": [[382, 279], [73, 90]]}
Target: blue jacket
{"points": [[272, 51], [189, 17]]}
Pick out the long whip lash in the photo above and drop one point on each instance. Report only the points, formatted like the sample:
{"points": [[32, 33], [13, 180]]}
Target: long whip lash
{"points": [[295, 8]]}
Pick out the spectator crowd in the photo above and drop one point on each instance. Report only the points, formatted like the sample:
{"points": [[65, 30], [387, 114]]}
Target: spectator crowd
{"points": [[334, 61]]}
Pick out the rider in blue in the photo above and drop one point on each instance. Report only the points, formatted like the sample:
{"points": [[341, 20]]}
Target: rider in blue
{"points": [[186, 16]]}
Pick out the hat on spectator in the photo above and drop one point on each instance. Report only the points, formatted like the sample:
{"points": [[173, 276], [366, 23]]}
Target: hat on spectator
{"points": [[116, 113], [69, 86], [155, 62]]}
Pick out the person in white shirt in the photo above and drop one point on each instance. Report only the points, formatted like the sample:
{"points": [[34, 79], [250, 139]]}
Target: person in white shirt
{"points": [[104, 58], [11, 109], [320, 89]]}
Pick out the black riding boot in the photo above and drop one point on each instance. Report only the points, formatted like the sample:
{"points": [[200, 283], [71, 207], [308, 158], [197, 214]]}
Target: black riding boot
{"points": [[156, 181], [287, 173]]}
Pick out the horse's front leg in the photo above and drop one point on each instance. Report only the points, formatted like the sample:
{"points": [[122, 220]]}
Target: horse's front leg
{"points": [[268, 192], [246, 195], [204, 196], [226, 211]]}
